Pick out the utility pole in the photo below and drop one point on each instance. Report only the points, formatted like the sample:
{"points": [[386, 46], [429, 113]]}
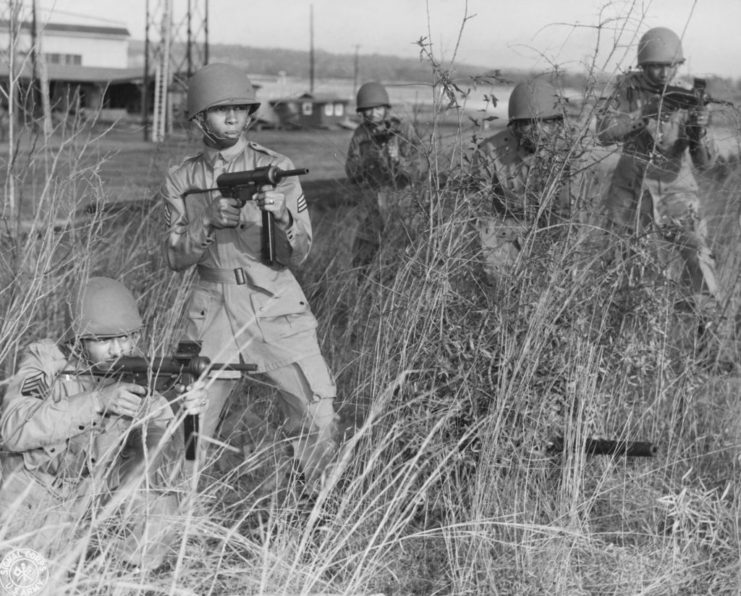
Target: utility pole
{"points": [[355, 70], [311, 49], [11, 213], [40, 82], [145, 78]]}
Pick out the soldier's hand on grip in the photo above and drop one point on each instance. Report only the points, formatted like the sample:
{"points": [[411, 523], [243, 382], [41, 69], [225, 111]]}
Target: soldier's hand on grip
{"points": [[700, 117], [195, 398], [697, 123], [123, 399], [221, 213], [274, 202]]}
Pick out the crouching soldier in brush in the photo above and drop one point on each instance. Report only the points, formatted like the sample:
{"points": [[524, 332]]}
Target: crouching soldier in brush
{"points": [[382, 160], [533, 172], [71, 440]]}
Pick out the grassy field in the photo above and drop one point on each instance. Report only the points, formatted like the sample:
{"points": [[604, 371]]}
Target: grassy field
{"points": [[450, 390]]}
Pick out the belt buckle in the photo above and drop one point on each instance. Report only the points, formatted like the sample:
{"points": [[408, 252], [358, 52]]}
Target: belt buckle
{"points": [[239, 276]]}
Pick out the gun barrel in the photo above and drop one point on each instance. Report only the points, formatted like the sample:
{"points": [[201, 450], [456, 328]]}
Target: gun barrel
{"points": [[627, 448], [609, 447], [166, 365], [295, 172], [257, 177], [241, 367]]}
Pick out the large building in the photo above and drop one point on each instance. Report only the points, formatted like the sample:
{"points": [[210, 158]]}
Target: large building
{"points": [[86, 66]]}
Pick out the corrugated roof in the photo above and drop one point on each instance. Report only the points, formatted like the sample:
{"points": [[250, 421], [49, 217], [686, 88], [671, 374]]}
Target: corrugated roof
{"points": [[74, 28]]}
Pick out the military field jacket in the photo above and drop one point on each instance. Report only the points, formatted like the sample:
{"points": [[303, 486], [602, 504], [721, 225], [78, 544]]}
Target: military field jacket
{"points": [[51, 419], [658, 153], [239, 306], [521, 180], [368, 161]]}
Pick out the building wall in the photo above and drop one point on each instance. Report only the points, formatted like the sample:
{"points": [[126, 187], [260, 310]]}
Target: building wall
{"points": [[94, 50]]}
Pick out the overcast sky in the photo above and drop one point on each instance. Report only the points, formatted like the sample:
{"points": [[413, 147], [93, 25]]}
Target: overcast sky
{"points": [[529, 34]]}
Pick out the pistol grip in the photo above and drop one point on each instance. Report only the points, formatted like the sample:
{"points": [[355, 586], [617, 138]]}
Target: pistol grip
{"points": [[243, 194], [268, 238], [190, 430]]}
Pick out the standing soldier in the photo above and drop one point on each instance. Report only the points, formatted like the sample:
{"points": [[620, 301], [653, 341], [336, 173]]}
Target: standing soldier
{"points": [[533, 172], [382, 158], [382, 152], [70, 437], [242, 307], [653, 182]]}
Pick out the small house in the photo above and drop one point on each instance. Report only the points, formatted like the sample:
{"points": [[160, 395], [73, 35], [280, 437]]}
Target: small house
{"points": [[311, 111]]}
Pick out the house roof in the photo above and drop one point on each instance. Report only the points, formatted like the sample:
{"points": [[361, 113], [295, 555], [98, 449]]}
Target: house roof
{"points": [[73, 28], [323, 97], [316, 98]]}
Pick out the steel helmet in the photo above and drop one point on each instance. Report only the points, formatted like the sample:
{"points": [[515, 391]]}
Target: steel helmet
{"points": [[219, 84], [660, 46], [104, 308], [372, 95], [535, 99]]}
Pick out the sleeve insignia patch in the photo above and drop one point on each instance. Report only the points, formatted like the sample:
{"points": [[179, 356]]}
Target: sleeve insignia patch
{"points": [[301, 203], [35, 385]]}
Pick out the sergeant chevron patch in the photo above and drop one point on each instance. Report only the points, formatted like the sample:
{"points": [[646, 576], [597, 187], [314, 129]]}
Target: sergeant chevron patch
{"points": [[35, 385], [301, 203]]}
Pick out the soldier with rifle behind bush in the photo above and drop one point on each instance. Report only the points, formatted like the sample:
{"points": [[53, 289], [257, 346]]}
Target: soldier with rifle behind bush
{"points": [[383, 157], [246, 304], [71, 438], [533, 171], [653, 187]]}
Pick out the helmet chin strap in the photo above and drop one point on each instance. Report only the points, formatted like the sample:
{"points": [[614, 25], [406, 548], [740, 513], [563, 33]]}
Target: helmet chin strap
{"points": [[213, 139]]}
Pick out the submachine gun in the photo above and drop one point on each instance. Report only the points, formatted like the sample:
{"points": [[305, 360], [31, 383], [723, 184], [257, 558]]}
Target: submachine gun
{"points": [[608, 447], [387, 130], [679, 98], [243, 186], [162, 373]]}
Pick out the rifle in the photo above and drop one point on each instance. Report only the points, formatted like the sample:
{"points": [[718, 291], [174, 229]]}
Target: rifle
{"points": [[679, 98], [608, 447], [243, 186], [386, 131], [161, 373]]}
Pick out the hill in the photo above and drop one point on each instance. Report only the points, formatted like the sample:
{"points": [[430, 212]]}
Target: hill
{"points": [[295, 63], [380, 67]]}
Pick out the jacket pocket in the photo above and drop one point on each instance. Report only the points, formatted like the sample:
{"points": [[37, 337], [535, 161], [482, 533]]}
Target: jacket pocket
{"points": [[280, 317], [200, 309]]}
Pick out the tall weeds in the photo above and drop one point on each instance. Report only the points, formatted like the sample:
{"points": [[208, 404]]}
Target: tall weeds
{"points": [[450, 391]]}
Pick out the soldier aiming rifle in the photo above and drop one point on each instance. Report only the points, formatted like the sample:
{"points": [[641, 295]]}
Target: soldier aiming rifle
{"points": [[71, 438], [160, 374], [663, 131]]}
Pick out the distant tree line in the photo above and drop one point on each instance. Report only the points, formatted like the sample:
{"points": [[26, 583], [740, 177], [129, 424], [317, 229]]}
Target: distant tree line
{"points": [[380, 67]]}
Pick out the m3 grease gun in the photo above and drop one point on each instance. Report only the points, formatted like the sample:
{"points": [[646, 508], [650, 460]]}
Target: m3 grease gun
{"points": [[243, 186], [161, 373]]}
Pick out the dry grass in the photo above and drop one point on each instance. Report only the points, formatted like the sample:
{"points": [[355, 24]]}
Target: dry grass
{"points": [[449, 390]]}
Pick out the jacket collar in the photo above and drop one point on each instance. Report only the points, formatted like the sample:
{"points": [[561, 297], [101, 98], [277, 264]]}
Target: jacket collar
{"points": [[228, 154]]}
